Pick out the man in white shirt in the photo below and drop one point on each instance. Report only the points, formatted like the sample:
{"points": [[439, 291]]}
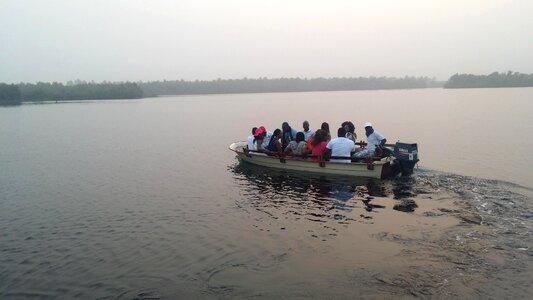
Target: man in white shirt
{"points": [[307, 132], [250, 140], [373, 139], [340, 147]]}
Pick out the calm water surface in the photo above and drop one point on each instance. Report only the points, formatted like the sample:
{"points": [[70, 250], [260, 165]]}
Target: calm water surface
{"points": [[142, 199]]}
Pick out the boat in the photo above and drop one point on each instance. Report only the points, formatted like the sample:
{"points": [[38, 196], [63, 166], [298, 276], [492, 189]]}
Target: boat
{"points": [[399, 160]]}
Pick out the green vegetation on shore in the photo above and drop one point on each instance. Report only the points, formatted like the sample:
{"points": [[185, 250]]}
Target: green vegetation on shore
{"points": [[265, 85], [9, 94], [509, 79], [13, 94], [41, 91], [80, 90]]}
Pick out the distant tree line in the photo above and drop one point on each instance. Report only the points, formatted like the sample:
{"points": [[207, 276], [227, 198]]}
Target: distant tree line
{"points": [[79, 90], [509, 79], [265, 85], [9, 94]]}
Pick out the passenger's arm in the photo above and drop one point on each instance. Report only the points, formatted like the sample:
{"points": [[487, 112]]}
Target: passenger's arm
{"points": [[288, 150], [279, 147], [259, 146], [327, 154]]}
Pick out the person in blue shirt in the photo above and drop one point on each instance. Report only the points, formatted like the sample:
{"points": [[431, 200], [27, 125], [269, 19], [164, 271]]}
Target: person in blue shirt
{"points": [[274, 146], [289, 134]]}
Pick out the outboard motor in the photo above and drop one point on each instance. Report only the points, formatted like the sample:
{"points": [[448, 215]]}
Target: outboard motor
{"points": [[406, 155]]}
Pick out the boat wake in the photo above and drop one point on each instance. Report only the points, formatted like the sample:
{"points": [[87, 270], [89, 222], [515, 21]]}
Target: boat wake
{"points": [[486, 254]]}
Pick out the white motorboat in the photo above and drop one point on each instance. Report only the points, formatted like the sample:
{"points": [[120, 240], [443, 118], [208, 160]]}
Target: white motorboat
{"points": [[401, 160]]}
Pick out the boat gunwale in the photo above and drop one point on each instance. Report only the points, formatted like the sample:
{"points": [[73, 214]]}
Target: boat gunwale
{"points": [[380, 162]]}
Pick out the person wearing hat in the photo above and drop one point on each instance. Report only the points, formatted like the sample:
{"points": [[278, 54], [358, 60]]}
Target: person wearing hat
{"points": [[373, 140], [261, 138]]}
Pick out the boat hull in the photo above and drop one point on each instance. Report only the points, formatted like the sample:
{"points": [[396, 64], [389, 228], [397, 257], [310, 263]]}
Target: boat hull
{"points": [[376, 169]]}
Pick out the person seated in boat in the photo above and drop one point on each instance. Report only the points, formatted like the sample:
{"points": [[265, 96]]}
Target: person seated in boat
{"points": [[289, 134], [259, 139], [250, 140], [307, 132], [350, 130], [298, 146], [325, 127], [340, 147], [262, 135], [319, 143], [374, 139], [274, 145], [268, 135], [310, 142]]}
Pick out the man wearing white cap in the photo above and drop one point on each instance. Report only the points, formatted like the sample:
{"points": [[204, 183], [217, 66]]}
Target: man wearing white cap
{"points": [[373, 139]]}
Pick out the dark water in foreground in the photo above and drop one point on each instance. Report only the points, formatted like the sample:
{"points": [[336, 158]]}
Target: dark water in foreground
{"points": [[142, 199]]}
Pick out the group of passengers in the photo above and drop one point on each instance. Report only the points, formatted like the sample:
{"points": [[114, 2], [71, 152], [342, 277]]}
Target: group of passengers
{"points": [[319, 143]]}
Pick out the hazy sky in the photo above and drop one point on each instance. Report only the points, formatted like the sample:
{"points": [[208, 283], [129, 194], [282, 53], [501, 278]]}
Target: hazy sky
{"points": [[116, 40]]}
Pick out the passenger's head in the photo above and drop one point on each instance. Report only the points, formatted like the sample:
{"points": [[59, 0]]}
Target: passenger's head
{"points": [[306, 125], [300, 137], [325, 127], [368, 128], [341, 132], [285, 126], [259, 133], [348, 126], [253, 130], [277, 133], [320, 136]]}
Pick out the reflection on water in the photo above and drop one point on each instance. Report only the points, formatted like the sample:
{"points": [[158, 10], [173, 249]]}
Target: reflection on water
{"points": [[316, 195]]}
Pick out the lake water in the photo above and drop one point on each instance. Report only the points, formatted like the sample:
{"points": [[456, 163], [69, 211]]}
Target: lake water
{"points": [[142, 198]]}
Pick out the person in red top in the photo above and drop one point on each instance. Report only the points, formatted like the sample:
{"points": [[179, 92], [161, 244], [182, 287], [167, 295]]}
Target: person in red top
{"points": [[319, 143]]}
